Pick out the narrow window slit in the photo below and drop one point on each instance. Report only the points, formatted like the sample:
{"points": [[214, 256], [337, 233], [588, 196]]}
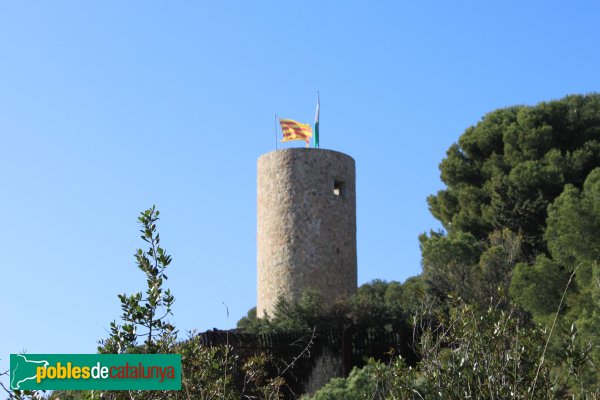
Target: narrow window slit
{"points": [[339, 188]]}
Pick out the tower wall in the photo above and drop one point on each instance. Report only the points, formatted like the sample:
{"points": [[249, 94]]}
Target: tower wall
{"points": [[306, 225]]}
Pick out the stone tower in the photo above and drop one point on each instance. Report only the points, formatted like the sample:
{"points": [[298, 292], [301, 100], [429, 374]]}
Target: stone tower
{"points": [[306, 225]]}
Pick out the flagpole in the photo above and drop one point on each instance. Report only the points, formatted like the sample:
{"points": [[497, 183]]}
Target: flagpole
{"points": [[275, 131], [316, 137]]}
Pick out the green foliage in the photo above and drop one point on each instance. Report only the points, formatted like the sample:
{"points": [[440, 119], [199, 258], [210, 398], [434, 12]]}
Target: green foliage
{"points": [[449, 263], [413, 296], [247, 322], [538, 287], [25, 394], [354, 387], [488, 354], [573, 236], [207, 372], [74, 395], [376, 300], [461, 265], [506, 170], [257, 385], [521, 213], [303, 315], [144, 315], [474, 354], [376, 306]]}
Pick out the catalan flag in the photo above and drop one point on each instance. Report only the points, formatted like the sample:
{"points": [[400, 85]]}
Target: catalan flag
{"points": [[293, 130]]}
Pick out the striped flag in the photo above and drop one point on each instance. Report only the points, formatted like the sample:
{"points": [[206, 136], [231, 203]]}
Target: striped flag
{"points": [[293, 130], [317, 121]]}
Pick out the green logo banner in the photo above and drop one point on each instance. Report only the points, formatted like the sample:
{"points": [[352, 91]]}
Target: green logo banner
{"points": [[95, 371]]}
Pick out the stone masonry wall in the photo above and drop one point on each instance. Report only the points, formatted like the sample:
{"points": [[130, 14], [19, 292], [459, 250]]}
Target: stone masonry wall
{"points": [[306, 233]]}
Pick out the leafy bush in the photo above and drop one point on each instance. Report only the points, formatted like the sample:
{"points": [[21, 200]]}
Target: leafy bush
{"points": [[475, 354]]}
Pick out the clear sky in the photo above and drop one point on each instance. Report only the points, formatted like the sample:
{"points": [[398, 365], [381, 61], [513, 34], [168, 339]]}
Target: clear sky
{"points": [[109, 107]]}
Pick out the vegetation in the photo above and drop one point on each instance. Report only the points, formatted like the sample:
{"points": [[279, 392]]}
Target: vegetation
{"points": [[504, 172], [355, 387], [521, 218], [521, 213], [144, 317], [507, 306], [502, 178], [472, 354], [206, 372], [377, 306]]}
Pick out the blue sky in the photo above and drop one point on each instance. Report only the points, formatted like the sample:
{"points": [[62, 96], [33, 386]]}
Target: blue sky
{"points": [[109, 107]]}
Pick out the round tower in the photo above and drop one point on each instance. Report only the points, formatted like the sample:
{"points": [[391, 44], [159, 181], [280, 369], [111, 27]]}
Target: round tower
{"points": [[306, 225]]}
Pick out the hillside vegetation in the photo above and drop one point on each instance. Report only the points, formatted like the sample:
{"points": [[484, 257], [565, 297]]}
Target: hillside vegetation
{"points": [[507, 305]]}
